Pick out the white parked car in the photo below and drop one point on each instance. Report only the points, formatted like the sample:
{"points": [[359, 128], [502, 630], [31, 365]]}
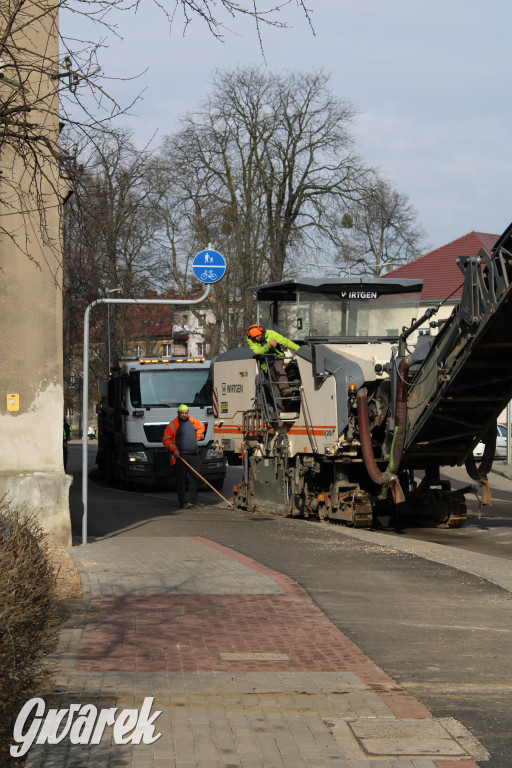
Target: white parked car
{"points": [[501, 445]]}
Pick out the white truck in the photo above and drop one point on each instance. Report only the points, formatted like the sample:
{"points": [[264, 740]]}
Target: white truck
{"points": [[135, 406]]}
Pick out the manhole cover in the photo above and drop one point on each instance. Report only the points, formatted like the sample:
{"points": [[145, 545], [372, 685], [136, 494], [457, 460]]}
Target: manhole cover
{"points": [[369, 738], [406, 737]]}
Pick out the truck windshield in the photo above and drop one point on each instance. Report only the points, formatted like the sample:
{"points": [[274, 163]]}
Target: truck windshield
{"points": [[171, 388]]}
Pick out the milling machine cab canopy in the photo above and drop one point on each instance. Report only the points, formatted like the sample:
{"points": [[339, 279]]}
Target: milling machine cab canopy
{"points": [[320, 309]]}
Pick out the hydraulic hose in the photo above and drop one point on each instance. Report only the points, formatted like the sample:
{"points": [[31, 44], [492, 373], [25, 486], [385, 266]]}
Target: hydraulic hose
{"points": [[397, 445], [365, 438]]}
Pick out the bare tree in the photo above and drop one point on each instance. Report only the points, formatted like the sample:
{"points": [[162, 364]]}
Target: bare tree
{"points": [[39, 86], [261, 167], [277, 158], [204, 209], [110, 226], [36, 90], [381, 230], [210, 12]]}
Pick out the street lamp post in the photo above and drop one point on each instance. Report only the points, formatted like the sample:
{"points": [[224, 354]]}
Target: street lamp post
{"points": [[110, 290]]}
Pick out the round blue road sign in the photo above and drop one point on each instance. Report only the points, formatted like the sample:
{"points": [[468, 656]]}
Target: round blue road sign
{"points": [[209, 266]]}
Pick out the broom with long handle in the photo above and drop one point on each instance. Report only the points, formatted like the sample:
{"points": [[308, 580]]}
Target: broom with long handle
{"points": [[207, 483]]}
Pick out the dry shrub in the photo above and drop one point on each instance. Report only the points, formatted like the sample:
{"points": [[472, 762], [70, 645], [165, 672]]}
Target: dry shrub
{"points": [[29, 618]]}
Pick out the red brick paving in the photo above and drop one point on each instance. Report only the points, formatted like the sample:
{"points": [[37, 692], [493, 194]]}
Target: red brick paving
{"points": [[143, 633], [188, 632]]}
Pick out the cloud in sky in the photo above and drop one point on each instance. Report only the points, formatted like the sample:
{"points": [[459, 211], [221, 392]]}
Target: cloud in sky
{"points": [[430, 82]]}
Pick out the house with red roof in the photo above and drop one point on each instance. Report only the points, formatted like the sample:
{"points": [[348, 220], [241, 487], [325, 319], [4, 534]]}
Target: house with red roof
{"points": [[442, 278], [165, 330]]}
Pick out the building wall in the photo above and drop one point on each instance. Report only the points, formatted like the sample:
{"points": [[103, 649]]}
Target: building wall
{"points": [[443, 314], [31, 402]]}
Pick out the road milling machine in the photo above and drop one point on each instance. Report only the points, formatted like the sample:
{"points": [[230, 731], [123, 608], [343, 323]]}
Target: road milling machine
{"points": [[367, 419]]}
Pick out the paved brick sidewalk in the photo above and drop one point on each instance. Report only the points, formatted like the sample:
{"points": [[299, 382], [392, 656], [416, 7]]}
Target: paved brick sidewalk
{"points": [[244, 668]]}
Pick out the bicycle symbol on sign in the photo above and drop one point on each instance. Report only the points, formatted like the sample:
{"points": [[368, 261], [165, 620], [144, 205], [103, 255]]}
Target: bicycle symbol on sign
{"points": [[209, 266]]}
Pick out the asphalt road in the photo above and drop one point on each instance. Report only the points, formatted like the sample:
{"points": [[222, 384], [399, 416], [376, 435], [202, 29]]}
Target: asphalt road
{"points": [[442, 633]]}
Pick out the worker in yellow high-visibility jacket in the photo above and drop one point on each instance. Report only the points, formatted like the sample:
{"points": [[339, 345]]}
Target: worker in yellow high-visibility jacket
{"points": [[266, 341]]}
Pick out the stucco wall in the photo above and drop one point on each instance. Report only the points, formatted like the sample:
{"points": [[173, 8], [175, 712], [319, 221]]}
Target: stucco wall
{"points": [[31, 465], [32, 439]]}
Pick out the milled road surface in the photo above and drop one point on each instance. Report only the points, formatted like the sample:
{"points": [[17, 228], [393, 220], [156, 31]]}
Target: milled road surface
{"points": [[443, 633], [487, 530]]}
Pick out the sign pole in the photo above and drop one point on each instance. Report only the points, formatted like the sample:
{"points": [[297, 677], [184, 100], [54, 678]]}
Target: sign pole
{"points": [[85, 380]]}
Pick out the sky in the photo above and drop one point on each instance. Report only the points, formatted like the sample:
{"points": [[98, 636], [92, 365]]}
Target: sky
{"points": [[430, 82]]}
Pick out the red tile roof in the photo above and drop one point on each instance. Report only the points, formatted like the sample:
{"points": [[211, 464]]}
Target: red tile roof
{"points": [[149, 321], [440, 273]]}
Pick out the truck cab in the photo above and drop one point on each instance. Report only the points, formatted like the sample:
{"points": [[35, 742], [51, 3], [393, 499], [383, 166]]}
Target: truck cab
{"points": [[135, 406]]}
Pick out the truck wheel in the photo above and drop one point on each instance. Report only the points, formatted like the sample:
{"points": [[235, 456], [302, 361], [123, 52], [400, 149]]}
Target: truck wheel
{"points": [[218, 484]]}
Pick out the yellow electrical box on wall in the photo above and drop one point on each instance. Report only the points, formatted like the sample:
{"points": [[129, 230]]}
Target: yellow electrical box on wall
{"points": [[13, 402]]}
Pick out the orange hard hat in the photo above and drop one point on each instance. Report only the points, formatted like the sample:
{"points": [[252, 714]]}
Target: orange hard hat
{"points": [[255, 331]]}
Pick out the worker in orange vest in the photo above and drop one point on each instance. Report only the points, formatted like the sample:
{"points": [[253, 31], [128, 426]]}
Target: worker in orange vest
{"points": [[181, 438]]}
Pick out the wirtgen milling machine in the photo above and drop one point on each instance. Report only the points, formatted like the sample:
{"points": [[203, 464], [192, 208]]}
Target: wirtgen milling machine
{"points": [[366, 421]]}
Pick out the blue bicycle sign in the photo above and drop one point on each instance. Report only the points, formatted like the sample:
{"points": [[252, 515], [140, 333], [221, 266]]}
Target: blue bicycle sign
{"points": [[209, 266]]}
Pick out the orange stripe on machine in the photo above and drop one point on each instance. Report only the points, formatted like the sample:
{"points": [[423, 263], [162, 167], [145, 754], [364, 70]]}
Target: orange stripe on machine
{"points": [[315, 430]]}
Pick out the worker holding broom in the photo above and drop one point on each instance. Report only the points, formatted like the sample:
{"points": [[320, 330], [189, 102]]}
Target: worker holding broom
{"points": [[181, 437]]}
